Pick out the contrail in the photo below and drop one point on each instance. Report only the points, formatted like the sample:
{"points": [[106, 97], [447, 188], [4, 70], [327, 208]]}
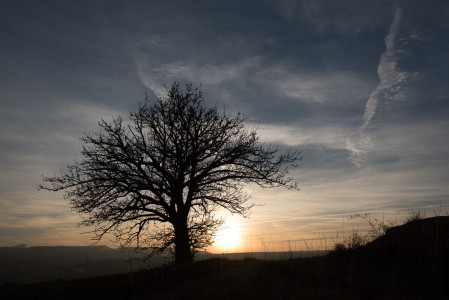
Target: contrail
{"points": [[387, 71], [390, 85]]}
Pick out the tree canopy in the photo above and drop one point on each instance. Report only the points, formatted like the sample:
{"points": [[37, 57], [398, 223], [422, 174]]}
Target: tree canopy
{"points": [[156, 179]]}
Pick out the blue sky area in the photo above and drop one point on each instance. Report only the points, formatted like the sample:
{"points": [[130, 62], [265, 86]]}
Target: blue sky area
{"points": [[360, 87]]}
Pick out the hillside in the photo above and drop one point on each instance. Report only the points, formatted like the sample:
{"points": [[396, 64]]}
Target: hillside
{"points": [[409, 262], [34, 264]]}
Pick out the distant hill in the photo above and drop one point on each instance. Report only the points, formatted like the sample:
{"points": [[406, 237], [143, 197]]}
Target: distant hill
{"points": [[410, 261], [34, 264], [281, 255]]}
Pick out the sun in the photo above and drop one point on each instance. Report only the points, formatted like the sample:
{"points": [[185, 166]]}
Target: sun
{"points": [[228, 238]]}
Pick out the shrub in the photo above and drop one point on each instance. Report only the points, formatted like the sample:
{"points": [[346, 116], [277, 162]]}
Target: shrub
{"points": [[377, 228]]}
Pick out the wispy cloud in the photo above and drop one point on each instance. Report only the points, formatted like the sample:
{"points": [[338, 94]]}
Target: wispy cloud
{"points": [[155, 76], [390, 87], [295, 135], [155, 68], [346, 17], [309, 87]]}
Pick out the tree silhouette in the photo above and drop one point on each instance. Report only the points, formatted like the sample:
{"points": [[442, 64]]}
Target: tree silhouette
{"points": [[156, 180]]}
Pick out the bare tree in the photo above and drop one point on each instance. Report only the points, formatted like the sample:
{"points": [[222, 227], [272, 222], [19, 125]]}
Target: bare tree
{"points": [[156, 180]]}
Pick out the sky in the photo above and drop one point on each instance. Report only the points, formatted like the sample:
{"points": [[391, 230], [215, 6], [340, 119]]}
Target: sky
{"points": [[360, 87]]}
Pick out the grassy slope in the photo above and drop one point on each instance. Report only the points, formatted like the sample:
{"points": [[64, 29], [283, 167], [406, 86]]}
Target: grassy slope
{"points": [[410, 262]]}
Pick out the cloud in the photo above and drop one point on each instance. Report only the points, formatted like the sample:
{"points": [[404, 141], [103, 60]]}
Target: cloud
{"points": [[301, 70], [332, 137], [392, 82], [36, 144], [391, 79], [155, 74], [322, 87], [287, 8], [347, 17]]}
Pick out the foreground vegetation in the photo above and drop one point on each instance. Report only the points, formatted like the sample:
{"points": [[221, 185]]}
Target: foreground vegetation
{"points": [[410, 261]]}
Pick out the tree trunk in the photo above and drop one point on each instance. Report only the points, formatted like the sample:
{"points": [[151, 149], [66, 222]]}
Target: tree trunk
{"points": [[183, 253]]}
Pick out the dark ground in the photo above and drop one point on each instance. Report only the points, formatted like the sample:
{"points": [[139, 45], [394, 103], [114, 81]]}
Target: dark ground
{"points": [[409, 262]]}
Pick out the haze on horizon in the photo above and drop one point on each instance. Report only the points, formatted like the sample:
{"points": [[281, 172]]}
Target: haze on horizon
{"points": [[360, 88]]}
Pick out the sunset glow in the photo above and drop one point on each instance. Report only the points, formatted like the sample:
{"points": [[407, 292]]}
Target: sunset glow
{"points": [[227, 239]]}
